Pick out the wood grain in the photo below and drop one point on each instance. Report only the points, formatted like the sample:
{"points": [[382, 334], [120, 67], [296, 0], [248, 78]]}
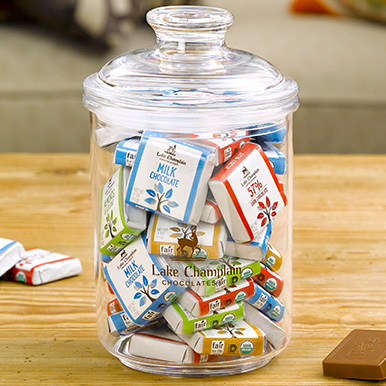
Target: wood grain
{"points": [[48, 333]]}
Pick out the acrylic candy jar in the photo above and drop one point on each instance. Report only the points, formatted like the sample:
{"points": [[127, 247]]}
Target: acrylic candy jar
{"points": [[191, 147]]}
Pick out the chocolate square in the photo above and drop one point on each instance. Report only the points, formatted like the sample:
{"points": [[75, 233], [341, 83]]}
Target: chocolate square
{"points": [[361, 355]]}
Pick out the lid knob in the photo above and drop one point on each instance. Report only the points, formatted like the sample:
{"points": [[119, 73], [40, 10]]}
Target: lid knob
{"points": [[190, 39], [190, 23]]}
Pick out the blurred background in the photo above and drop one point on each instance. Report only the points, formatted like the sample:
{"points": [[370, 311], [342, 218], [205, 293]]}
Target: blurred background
{"points": [[334, 49]]}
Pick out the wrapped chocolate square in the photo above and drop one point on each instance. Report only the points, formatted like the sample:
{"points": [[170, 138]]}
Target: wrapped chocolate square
{"points": [[120, 223], [269, 280], [141, 283], [200, 305], [267, 303], [275, 156], [248, 193], [113, 306], [255, 250], [275, 335], [161, 343], [238, 338], [211, 212], [39, 267], [274, 132], [120, 324], [126, 151], [11, 252], [223, 147], [193, 242], [181, 321], [273, 258], [170, 177], [225, 144]]}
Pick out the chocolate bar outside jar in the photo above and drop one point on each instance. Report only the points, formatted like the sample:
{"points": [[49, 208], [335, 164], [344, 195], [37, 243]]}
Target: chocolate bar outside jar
{"points": [[361, 355], [182, 102]]}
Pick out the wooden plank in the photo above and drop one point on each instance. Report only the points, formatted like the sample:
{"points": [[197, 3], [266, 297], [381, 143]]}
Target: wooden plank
{"points": [[48, 333]]}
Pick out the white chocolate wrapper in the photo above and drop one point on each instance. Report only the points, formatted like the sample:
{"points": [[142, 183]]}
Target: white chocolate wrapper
{"points": [[170, 177], [255, 250], [194, 242], [238, 338], [140, 282], [276, 336], [11, 252], [200, 305], [181, 321], [126, 151], [120, 223], [211, 212], [39, 267], [160, 343], [248, 193]]}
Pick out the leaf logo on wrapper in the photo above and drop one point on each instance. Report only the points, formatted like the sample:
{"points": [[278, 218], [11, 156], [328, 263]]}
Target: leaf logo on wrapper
{"points": [[161, 198], [187, 237], [231, 328], [110, 225], [145, 290], [267, 212]]}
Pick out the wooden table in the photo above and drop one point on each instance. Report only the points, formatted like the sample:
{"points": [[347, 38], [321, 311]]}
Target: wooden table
{"points": [[48, 333]]}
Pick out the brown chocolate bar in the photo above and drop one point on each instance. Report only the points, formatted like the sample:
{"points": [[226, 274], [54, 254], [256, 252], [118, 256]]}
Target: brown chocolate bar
{"points": [[361, 355]]}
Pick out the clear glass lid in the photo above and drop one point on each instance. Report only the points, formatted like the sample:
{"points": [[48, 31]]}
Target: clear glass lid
{"points": [[191, 74]]}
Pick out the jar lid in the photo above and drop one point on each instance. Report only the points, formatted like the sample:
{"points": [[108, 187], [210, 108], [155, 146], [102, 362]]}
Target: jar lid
{"points": [[190, 80]]}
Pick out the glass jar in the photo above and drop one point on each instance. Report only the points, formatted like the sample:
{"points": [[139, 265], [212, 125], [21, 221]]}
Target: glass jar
{"points": [[191, 147]]}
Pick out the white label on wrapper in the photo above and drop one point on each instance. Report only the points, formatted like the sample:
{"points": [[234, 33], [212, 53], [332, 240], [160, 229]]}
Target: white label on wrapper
{"points": [[126, 320], [215, 305], [220, 283], [261, 301], [200, 325], [217, 347]]}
